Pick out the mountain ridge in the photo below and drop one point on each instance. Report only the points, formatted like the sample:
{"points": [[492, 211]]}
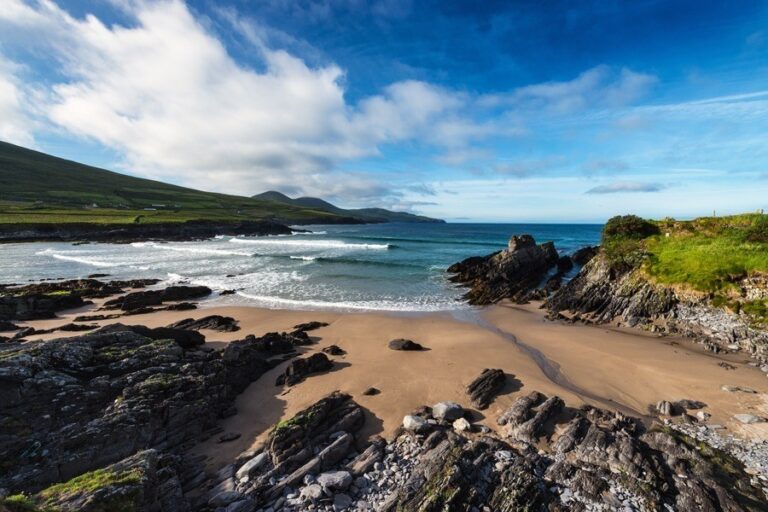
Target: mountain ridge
{"points": [[368, 214]]}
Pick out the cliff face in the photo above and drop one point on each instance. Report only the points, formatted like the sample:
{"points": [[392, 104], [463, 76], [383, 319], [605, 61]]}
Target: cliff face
{"points": [[602, 293]]}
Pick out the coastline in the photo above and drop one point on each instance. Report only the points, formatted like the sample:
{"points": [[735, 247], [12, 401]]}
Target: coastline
{"points": [[614, 368]]}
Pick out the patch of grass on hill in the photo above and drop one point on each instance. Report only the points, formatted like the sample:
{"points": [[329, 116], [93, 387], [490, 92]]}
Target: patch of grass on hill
{"points": [[708, 254]]}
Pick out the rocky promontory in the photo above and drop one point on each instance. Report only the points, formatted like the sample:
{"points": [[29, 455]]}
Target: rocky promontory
{"points": [[508, 274]]}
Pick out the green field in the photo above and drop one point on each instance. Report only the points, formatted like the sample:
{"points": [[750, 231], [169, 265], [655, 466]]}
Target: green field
{"points": [[39, 188]]}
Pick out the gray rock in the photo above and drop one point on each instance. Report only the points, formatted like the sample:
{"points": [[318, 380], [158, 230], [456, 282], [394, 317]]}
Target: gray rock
{"points": [[748, 419], [341, 502], [241, 506], [332, 481], [447, 411], [415, 424], [253, 465]]}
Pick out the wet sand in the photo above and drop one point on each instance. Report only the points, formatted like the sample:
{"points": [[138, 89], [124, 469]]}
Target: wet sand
{"points": [[625, 370]]}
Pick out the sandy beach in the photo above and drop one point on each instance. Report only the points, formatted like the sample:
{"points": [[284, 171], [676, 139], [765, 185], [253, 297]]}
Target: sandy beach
{"points": [[625, 370]]}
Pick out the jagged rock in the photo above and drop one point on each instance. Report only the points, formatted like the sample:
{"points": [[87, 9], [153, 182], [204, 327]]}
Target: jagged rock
{"points": [[241, 506], [299, 369], [447, 411], [520, 410], [185, 339], [533, 428], [95, 318], [77, 327], [512, 273], [736, 389], [310, 326], [223, 499], [181, 306], [334, 350], [84, 402], [483, 389], [583, 255], [665, 408], [138, 300], [403, 344], [214, 322]]}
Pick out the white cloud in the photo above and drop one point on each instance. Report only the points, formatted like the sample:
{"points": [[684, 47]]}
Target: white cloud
{"points": [[627, 186], [15, 124], [166, 94]]}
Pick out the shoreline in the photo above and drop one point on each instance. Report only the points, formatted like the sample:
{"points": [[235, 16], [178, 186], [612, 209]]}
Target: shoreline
{"points": [[615, 368]]}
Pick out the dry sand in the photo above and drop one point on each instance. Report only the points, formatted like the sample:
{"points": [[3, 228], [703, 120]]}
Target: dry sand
{"points": [[612, 368]]}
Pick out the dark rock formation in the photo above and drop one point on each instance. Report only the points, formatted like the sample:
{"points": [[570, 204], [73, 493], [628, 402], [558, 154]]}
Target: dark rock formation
{"points": [[8, 326], [512, 273], [138, 300], [483, 389], [553, 458], [214, 322], [583, 255], [71, 405], [371, 391], [334, 350], [310, 326], [184, 338], [403, 344], [127, 233], [299, 369]]}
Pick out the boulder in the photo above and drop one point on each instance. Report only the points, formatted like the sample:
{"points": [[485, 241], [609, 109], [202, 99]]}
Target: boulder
{"points": [[299, 369], [582, 256], [334, 350], [334, 481], [213, 322], [462, 425], [310, 326], [447, 411], [252, 466], [415, 424], [371, 391], [403, 344], [483, 389]]}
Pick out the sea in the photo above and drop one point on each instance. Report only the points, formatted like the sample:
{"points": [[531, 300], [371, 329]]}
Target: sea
{"points": [[372, 267]]}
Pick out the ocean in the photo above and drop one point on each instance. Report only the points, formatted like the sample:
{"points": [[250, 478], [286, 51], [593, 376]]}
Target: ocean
{"points": [[374, 267]]}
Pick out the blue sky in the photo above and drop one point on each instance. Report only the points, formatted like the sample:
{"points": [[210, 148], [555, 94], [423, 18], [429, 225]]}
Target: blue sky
{"points": [[486, 111]]}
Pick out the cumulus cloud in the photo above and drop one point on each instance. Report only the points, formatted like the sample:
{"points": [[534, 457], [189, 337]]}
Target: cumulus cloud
{"points": [[166, 94], [15, 124], [626, 186]]}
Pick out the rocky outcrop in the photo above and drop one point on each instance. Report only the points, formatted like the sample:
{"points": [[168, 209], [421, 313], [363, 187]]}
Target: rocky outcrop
{"points": [[299, 369], [603, 293], [509, 274], [483, 389], [547, 457], [212, 322], [127, 233], [72, 405], [139, 300], [44, 300]]}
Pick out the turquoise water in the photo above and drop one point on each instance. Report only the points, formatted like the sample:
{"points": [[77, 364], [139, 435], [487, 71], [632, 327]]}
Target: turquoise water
{"points": [[394, 267]]}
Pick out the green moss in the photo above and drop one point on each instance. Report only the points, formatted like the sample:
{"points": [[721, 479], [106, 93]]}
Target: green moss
{"points": [[19, 503], [89, 483], [299, 419]]}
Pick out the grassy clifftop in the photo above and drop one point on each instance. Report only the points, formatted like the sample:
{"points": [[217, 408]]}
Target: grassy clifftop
{"points": [[712, 255]]}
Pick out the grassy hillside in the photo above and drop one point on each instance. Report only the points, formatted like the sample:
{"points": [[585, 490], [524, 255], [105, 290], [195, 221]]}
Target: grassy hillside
{"points": [[39, 188], [367, 214], [709, 254]]}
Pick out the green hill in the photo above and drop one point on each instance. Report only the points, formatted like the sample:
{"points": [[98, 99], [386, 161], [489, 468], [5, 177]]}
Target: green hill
{"points": [[36, 188], [366, 214]]}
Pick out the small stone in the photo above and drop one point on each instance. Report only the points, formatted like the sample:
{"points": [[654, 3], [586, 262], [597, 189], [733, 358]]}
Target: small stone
{"points": [[461, 425], [228, 437], [334, 481], [371, 391], [247, 469], [735, 389], [341, 502], [703, 416], [311, 492], [664, 408]]}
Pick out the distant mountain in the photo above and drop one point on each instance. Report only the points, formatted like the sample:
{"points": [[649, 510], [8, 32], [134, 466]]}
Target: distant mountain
{"points": [[37, 188], [364, 214]]}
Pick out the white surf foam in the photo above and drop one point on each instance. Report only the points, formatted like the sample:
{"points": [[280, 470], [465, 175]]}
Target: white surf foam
{"points": [[273, 302], [316, 244]]}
